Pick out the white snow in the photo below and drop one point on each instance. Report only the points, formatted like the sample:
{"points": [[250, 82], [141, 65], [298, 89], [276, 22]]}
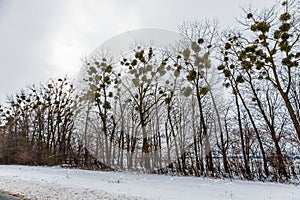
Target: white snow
{"points": [[60, 183]]}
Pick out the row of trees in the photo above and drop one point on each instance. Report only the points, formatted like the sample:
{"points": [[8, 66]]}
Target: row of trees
{"points": [[39, 128], [176, 110], [39, 124]]}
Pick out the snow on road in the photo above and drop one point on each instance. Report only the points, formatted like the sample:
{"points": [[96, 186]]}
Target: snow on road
{"points": [[58, 183]]}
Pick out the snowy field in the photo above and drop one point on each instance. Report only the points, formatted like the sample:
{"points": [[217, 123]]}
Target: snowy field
{"points": [[58, 183]]}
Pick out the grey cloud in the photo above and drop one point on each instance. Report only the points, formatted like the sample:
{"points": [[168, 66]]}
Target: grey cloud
{"points": [[40, 39], [25, 29]]}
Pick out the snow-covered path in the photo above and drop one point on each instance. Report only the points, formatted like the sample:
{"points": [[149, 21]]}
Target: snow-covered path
{"points": [[57, 183]]}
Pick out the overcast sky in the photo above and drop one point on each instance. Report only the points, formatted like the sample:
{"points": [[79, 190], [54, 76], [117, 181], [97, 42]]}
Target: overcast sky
{"points": [[47, 39]]}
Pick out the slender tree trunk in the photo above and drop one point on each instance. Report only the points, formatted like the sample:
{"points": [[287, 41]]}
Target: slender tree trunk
{"points": [[246, 161], [208, 151], [256, 132], [285, 97], [175, 139], [223, 145]]}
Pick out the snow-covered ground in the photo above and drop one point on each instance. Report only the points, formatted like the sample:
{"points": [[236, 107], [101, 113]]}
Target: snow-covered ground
{"points": [[58, 183]]}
